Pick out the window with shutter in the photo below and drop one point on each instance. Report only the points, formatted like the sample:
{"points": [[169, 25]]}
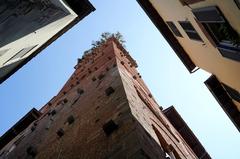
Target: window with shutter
{"points": [[190, 31], [225, 37], [174, 29]]}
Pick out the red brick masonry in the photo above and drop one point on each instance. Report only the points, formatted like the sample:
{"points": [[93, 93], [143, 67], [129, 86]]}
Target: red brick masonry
{"points": [[104, 111]]}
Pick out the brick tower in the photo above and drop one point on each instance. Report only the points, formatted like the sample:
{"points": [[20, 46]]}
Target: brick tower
{"points": [[104, 111]]}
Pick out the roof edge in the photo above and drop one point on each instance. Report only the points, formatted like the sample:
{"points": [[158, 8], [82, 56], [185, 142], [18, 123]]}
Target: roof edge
{"points": [[224, 100], [167, 34]]}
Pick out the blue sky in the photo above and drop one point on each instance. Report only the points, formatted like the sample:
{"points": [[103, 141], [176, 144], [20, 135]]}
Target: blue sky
{"points": [[171, 84]]}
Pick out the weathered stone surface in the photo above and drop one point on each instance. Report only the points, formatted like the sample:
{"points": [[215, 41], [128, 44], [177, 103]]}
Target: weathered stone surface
{"points": [[114, 116]]}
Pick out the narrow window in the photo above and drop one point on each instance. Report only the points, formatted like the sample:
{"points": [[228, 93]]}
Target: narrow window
{"points": [[110, 127], [220, 31], [190, 31], [174, 29]]}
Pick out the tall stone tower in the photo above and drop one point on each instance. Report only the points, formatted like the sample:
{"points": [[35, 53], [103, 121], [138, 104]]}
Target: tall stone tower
{"points": [[104, 111]]}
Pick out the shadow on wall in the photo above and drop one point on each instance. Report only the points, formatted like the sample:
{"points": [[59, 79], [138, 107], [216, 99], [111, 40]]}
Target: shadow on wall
{"points": [[19, 18]]}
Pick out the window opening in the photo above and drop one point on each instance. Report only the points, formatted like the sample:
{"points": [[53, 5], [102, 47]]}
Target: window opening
{"points": [[110, 127]]}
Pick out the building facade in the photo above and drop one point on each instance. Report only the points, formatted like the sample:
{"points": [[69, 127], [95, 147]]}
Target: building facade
{"points": [[27, 27], [103, 111], [180, 125], [204, 34]]}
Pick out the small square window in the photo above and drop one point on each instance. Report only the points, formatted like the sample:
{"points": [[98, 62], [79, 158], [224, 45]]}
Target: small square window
{"points": [[65, 100], [109, 91], [110, 127], [101, 76], [60, 132], [190, 31], [80, 91], [70, 120], [53, 112], [174, 29], [94, 79]]}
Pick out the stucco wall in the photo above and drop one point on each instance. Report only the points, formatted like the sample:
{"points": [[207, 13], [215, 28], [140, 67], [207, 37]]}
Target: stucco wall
{"points": [[204, 54], [26, 24]]}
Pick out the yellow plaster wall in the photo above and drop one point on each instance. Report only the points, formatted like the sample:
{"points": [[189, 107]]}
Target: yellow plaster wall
{"points": [[204, 54]]}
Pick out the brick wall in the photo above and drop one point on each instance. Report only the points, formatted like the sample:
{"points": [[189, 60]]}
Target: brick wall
{"points": [[103, 111]]}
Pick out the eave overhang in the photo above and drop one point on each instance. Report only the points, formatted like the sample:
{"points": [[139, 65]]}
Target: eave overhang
{"points": [[20, 126], [224, 100], [167, 34], [181, 126]]}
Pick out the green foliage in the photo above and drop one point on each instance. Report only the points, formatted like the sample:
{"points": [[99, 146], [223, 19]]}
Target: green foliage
{"points": [[104, 37], [230, 34]]}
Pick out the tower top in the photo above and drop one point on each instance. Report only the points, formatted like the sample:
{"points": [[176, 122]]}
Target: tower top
{"points": [[90, 54], [93, 65]]}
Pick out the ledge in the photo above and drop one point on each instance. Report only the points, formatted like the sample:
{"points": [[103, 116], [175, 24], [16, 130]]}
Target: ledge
{"points": [[224, 100]]}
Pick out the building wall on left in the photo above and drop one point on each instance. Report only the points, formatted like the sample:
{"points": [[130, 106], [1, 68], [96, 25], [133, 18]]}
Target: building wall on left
{"points": [[27, 27]]}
